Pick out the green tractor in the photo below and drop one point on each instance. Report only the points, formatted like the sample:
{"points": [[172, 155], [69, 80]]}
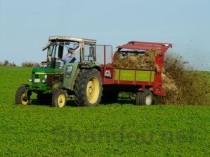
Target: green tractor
{"points": [[58, 79]]}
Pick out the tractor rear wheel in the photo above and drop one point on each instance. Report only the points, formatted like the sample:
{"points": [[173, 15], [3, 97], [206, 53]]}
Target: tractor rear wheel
{"points": [[59, 98], [22, 96], [88, 88]]}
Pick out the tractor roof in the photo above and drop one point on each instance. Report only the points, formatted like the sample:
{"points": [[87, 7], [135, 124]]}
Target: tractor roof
{"points": [[138, 45], [69, 38]]}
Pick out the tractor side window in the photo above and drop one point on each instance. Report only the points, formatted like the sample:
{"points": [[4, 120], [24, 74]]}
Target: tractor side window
{"points": [[89, 52], [69, 69]]}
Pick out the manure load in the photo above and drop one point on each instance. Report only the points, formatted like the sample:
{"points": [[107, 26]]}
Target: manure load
{"points": [[135, 60]]}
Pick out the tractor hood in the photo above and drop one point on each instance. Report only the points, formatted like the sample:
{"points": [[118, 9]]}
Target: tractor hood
{"points": [[46, 71]]}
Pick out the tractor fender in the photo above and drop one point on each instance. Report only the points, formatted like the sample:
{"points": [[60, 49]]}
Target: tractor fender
{"points": [[97, 67]]}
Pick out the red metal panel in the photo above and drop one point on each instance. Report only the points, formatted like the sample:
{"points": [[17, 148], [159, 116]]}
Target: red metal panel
{"points": [[137, 45]]}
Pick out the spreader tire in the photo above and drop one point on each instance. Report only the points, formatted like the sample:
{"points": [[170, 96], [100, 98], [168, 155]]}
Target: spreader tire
{"points": [[144, 98], [22, 96], [88, 88], [139, 98], [147, 97], [59, 98]]}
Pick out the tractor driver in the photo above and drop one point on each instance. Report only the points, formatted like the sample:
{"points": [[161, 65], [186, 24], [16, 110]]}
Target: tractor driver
{"points": [[69, 58]]}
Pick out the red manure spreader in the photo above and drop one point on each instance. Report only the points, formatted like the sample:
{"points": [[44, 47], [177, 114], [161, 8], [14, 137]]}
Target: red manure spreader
{"points": [[137, 68]]}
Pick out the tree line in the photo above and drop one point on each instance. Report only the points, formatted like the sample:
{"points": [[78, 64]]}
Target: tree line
{"points": [[23, 64]]}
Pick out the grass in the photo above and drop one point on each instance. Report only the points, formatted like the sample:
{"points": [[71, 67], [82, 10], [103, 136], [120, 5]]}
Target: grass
{"points": [[107, 130]]}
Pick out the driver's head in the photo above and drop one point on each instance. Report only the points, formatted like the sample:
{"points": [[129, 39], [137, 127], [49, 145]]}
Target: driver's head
{"points": [[70, 50]]}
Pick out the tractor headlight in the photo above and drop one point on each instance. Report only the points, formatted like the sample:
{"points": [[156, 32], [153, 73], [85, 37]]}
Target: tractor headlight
{"points": [[44, 81], [30, 79]]}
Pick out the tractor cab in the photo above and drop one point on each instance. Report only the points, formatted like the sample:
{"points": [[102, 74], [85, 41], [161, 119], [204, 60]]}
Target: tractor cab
{"points": [[59, 48]]}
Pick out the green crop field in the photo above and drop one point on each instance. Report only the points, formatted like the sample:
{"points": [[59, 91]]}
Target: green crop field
{"points": [[106, 130]]}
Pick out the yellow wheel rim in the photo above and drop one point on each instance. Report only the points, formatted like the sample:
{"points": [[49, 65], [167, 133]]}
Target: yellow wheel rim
{"points": [[92, 90], [61, 100], [24, 99]]}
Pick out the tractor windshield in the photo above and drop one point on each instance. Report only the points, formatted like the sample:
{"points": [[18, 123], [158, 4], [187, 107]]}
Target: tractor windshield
{"points": [[59, 52]]}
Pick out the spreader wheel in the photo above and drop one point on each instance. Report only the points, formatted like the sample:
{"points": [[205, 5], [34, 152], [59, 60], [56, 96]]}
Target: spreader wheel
{"points": [[59, 98], [139, 98], [144, 98], [147, 97], [22, 96]]}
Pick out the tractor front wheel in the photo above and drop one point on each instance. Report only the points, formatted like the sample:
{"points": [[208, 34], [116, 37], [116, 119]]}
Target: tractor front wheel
{"points": [[59, 98], [22, 96]]}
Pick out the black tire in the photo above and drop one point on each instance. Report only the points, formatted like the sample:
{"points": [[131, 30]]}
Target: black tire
{"points": [[59, 98], [147, 97], [139, 98], [22, 96], [144, 98], [88, 88]]}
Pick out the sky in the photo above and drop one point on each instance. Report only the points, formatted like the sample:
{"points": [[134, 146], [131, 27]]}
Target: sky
{"points": [[25, 25]]}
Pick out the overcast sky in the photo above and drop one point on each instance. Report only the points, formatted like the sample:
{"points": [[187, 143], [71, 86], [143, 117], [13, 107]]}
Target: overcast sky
{"points": [[25, 25]]}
